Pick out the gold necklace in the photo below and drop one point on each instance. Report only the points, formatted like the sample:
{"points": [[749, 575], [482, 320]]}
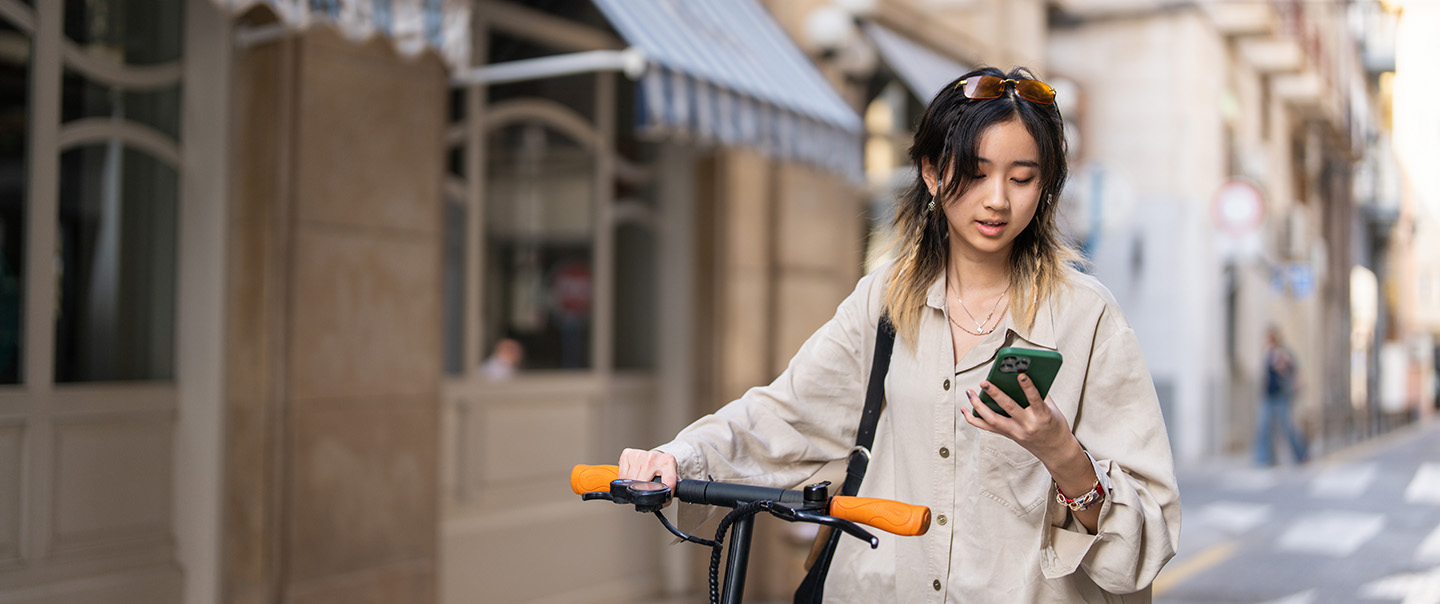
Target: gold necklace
{"points": [[973, 333], [979, 325]]}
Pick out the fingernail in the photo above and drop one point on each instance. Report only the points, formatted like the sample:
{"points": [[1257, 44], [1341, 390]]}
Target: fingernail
{"points": [[985, 387], [1024, 379]]}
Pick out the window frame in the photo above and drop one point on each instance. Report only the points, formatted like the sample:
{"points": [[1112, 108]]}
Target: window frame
{"points": [[469, 136]]}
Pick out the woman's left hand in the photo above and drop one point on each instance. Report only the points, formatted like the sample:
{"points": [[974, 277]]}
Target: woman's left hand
{"points": [[1041, 428], [1043, 431]]}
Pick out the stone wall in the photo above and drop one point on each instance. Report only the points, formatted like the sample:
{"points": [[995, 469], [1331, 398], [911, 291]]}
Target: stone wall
{"points": [[333, 369]]}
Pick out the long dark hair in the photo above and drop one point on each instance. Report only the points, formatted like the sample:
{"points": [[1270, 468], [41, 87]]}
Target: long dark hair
{"points": [[948, 137]]}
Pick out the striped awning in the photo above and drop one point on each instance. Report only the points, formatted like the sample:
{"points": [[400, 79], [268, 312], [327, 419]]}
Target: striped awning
{"points": [[924, 71], [727, 73], [413, 26]]}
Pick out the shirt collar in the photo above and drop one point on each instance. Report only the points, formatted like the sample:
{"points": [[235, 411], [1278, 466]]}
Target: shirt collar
{"points": [[935, 296], [1041, 332]]}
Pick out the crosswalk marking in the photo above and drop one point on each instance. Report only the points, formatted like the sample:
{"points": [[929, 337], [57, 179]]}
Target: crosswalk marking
{"points": [[1425, 487], [1232, 517], [1412, 588], [1429, 550], [1343, 482], [1304, 597], [1331, 533], [1249, 481]]}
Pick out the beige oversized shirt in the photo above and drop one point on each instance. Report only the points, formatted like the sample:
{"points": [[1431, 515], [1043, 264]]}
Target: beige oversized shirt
{"points": [[997, 534]]}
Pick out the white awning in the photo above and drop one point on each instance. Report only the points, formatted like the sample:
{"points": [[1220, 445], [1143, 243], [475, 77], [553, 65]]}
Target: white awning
{"points": [[924, 71], [726, 72], [414, 26]]}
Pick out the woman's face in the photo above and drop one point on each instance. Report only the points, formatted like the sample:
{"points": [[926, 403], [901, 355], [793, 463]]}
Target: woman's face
{"points": [[1003, 194]]}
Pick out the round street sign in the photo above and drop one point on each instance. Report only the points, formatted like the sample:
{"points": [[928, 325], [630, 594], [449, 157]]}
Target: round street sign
{"points": [[1239, 207], [571, 286]]}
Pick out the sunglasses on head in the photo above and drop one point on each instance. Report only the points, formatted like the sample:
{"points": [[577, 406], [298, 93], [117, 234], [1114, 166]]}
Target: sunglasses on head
{"points": [[991, 87]]}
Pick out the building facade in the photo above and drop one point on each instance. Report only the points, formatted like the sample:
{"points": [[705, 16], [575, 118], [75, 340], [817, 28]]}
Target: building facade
{"points": [[114, 161], [1234, 213]]}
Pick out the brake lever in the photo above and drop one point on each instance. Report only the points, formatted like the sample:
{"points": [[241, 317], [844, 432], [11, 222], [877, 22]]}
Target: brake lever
{"points": [[596, 495], [785, 512]]}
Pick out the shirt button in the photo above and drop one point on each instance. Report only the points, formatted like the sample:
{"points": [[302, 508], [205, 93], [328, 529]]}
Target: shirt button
{"points": [[944, 452], [936, 585], [947, 384], [940, 520]]}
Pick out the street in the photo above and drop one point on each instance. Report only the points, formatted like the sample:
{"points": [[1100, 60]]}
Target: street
{"points": [[1360, 525]]}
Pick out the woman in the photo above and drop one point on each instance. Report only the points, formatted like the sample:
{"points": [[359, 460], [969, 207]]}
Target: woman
{"points": [[981, 266]]}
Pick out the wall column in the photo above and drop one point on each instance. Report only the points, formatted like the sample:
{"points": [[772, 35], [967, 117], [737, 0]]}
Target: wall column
{"points": [[334, 357]]}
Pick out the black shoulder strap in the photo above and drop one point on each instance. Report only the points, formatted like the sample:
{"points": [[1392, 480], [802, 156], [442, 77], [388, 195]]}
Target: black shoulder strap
{"points": [[870, 417], [812, 588]]}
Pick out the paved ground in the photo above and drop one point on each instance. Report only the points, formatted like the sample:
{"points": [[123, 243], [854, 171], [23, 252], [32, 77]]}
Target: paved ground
{"points": [[1362, 525]]}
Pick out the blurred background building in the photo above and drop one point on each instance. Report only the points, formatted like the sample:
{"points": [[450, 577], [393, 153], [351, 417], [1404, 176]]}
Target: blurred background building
{"points": [[320, 301]]}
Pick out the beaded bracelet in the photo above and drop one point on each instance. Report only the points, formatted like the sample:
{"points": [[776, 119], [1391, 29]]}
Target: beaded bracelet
{"points": [[1083, 502]]}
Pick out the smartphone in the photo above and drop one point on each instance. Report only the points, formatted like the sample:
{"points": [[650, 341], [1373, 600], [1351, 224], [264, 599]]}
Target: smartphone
{"points": [[1039, 365]]}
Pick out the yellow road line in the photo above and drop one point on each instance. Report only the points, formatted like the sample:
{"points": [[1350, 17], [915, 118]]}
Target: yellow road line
{"points": [[1177, 574]]}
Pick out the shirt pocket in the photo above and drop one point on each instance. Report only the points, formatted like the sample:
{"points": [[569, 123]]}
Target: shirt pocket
{"points": [[1010, 475]]}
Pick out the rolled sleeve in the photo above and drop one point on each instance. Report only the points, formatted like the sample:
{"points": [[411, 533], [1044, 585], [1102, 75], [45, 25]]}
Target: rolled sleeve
{"points": [[1122, 429], [689, 463], [781, 433]]}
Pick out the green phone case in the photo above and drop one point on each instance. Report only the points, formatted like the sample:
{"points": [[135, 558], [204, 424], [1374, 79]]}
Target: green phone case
{"points": [[1039, 365]]}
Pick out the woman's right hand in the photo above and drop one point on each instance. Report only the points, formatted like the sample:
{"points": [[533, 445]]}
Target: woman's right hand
{"points": [[637, 464]]}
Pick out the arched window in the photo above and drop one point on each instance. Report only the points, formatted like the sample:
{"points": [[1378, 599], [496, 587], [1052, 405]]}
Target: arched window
{"points": [[560, 224], [91, 170], [539, 271]]}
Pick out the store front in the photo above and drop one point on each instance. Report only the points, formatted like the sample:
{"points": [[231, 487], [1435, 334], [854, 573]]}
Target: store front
{"points": [[579, 203], [259, 261], [108, 111]]}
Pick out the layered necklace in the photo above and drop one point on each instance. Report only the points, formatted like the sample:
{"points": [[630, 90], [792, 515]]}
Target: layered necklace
{"points": [[979, 324]]}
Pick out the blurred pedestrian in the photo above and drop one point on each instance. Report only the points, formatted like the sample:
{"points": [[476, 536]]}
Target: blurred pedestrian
{"points": [[1070, 498], [505, 360], [1280, 387]]}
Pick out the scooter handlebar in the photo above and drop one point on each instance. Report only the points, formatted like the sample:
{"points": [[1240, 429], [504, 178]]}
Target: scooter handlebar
{"points": [[884, 514], [589, 479]]}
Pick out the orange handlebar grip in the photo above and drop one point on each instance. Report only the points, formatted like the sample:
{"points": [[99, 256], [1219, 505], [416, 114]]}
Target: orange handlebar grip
{"points": [[884, 514], [589, 479]]}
